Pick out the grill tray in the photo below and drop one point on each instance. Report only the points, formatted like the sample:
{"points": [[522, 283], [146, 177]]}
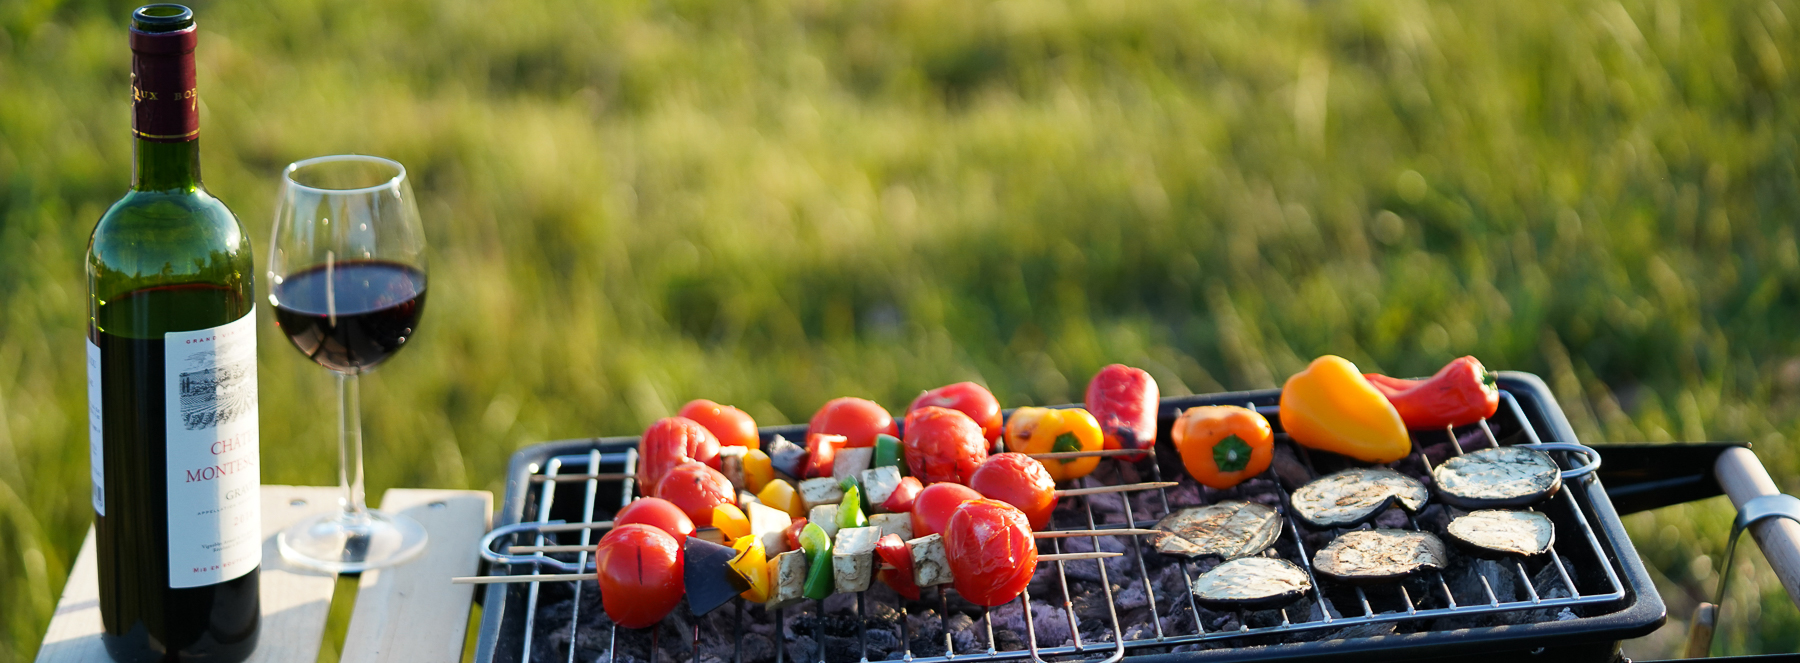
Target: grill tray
{"points": [[1597, 591]]}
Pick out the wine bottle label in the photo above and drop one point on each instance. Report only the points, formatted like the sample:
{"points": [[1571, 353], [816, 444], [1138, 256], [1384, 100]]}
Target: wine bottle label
{"points": [[214, 473], [165, 104], [96, 440]]}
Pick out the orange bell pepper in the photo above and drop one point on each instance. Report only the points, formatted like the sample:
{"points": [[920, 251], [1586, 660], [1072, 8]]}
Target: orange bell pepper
{"points": [[1222, 445], [1036, 430], [1331, 407]]}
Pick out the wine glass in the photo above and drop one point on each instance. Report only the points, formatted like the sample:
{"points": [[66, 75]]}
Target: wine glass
{"points": [[347, 278]]}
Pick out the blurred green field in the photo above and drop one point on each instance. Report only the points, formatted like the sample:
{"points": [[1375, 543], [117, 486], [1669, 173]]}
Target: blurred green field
{"points": [[774, 202]]}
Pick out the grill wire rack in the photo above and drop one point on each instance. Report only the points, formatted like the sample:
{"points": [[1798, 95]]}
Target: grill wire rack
{"points": [[1582, 578]]}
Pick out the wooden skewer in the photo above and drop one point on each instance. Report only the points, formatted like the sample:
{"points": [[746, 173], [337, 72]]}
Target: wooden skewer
{"points": [[563, 478], [1066, 533], [560, 577], [1097, 453], [1096, 490]]}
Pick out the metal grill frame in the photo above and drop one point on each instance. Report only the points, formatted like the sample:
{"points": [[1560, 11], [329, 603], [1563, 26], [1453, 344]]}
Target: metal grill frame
{"points": [[1626, 604]]}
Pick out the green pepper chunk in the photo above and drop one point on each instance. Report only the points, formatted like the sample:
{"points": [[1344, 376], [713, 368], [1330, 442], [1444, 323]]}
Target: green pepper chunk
{"points": [[889, 452], [850, 510], [817, 546], [1066, 442]]}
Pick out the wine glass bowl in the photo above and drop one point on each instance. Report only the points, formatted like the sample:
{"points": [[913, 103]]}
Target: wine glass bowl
{"points": [[347, 280]]}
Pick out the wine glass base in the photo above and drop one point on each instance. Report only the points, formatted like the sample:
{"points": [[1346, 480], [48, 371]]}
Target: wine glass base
{"points": [[352, 543]]}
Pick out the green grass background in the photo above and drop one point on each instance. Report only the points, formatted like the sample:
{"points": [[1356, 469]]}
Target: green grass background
{"points": [[775, 202]]}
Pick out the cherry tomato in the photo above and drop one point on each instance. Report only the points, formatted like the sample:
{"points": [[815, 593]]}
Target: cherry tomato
{"points": [[732, 426], [669, 442], [658, 513], [858, 420], [1018, 480], [641, 577], [968, 398], [932, 509], [1124, 400], [992, 554], [696, 488], [943, 445], [901, 500]]}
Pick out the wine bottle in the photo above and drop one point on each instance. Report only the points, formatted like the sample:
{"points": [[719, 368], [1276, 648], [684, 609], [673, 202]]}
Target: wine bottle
{"points": [[172, 383]]}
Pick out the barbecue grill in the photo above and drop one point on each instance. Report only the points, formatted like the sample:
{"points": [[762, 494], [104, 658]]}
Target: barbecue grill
{"points": [[1575, 602]]}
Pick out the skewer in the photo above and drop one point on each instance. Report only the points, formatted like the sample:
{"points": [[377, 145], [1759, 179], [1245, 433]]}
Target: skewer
{"points": [[559, 577], [1096, 490], [563, 478], [1096, 453], [1054, 534]]}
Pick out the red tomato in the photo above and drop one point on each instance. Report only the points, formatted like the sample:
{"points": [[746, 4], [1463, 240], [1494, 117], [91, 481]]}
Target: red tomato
{"points": [[992, 554], [1018, 480], [1124, 400], [901, 500], [968, 398], [696, 489], [732, 426], [658, 513], [858, 420], [669, 442], [943, 445], [640, 571], [931, 511]]}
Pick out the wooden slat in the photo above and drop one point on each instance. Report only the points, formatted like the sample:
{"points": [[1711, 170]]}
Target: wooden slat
{"points": [[294, 601], [412, 612]]}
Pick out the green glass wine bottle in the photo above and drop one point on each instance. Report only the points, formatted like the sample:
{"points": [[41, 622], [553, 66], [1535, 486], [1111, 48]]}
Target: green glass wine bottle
{"points": [[172, 401]]}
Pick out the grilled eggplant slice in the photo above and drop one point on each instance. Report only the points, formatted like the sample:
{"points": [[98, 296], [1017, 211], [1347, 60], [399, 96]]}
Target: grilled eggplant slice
{"points": [[1498, 533], [1373, 556], [1355, 496], [1229, 529], [1498, 478], [1251, 583]]}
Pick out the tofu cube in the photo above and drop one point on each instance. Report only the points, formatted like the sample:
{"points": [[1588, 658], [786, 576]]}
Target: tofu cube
{"points": [[851, 462], [823, 490], [853, 558], [877, 485], [825, 516], [786, 456], [769, 524], [790, 579], [893, 523], [731, 464], [931, 566]]}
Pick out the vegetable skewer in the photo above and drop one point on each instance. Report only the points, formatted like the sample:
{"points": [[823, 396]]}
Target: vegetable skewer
{"points": [[1052, 534], [556, 577]]}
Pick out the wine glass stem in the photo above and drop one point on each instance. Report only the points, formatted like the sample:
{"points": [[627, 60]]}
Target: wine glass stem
{"points": [[350, 451]]}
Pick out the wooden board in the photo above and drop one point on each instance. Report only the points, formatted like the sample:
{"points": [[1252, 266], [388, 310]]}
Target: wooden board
{"points": [[411, 612], [295, 601]]}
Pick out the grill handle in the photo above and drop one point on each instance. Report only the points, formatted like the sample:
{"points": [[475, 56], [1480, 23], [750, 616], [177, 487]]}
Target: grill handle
{"points": [[1772, 518]]}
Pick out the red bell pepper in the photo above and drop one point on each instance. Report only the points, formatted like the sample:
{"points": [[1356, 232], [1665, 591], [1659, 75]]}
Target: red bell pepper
{"points": [[901, 500], [1461, 393], [1124, 401], [821, 452], [791, 535], [893, 552]]}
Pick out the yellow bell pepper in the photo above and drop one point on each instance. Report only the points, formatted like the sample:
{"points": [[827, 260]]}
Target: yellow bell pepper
{"points": [[758, 470], [780, 494], [1330, 406], [753, 563], [731, 521], [1036, 430]]}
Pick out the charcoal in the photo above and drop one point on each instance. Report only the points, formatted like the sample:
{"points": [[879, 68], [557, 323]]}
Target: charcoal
{"points": [[962, 634]]}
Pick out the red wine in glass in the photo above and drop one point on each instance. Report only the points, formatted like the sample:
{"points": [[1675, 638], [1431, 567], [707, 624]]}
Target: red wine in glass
{"points": [[349, 316]]}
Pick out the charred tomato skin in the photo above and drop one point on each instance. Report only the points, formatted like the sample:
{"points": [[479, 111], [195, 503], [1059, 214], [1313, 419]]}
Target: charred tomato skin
{"points": [[859, 420], [696, 489], [992, 554], [1016, 479], [933, 507], [659, 513], [641, 574], [669, 442], [943, 445], [968, 398], [1124, 400], [733, 427]]}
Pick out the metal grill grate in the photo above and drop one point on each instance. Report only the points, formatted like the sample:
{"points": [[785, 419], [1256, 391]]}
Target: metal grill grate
{"points": [[1327, 609]]}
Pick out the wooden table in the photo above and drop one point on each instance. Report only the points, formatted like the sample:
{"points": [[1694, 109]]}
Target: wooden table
{"points": [[409, 612]]}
